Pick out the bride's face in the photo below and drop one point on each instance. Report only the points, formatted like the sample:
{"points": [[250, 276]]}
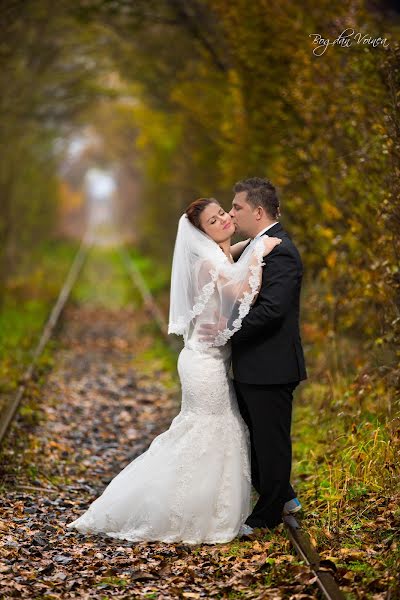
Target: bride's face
{"points": [[217, 223]]}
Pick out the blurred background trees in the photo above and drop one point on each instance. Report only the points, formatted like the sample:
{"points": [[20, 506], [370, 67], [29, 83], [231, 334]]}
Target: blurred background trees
{"points": [[181, 98]]}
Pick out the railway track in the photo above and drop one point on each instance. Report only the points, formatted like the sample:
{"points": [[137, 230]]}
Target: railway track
{"points": [[296, 534], [47, 332]]}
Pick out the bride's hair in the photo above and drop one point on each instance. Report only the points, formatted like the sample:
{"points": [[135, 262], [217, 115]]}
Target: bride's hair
{"points": [[195, 209]]}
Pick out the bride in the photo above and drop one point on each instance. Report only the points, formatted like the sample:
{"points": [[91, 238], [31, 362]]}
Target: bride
{"points": [[193, 483]]}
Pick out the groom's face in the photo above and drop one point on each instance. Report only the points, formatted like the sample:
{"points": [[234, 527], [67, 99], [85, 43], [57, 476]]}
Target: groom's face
{"points": [[243, 215]]}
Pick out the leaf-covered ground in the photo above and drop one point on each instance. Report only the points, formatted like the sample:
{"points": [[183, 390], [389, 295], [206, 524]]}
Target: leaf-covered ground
{"points": [[101, 404], [94, 414]]}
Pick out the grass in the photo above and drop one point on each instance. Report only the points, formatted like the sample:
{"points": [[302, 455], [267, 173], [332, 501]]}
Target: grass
{"points": [[111, 582], [345, 473], [104, 282], [30, 296], [159, 357], [345, 457], [32, 292], [345, 436], [156, 276]]}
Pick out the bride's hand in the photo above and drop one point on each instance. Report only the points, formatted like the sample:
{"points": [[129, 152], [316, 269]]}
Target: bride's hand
{"points": [[270, 243]]}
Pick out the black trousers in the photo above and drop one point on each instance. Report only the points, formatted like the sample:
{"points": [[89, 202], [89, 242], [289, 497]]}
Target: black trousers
{"points": [[267, 411]]}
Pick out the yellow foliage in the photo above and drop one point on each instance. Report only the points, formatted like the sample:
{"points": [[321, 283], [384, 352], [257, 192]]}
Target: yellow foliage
{"points": [[330, 211], [69, 199], [331, 259]]}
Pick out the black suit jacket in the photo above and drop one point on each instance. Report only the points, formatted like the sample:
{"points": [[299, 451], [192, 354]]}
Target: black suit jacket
{"points": [[267, 348]]}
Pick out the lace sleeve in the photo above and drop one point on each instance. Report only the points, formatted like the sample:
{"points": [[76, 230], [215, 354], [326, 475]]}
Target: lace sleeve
{"points": [[232, 288], [207, 289]]}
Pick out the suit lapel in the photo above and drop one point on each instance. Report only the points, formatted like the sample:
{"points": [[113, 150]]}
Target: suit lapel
{"points": [[274, 231]]}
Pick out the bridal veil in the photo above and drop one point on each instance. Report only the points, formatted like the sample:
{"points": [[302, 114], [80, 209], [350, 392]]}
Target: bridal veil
{"points": [[206, 288]]}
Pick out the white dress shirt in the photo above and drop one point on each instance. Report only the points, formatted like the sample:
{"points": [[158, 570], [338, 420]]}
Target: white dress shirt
{"points": [[264, 230]]}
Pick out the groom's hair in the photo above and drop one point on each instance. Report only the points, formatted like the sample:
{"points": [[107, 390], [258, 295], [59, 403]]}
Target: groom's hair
{"points": [[260, 192], [195, 209]]}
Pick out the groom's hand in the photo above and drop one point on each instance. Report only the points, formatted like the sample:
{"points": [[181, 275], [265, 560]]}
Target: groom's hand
{"points": [[208, 331]]}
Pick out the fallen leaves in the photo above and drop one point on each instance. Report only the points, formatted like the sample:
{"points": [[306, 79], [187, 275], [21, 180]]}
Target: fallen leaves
{"points": [[98, 414]]}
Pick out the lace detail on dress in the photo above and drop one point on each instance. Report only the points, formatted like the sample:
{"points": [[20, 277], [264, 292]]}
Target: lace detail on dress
{"points": [[193, 482], [246, 300], [231, 279], [201, 302]]}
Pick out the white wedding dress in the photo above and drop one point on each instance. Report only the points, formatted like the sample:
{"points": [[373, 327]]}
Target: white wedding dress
{"points": [[193, 483]]}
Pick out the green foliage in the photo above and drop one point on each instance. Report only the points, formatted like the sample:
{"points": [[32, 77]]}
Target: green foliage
{"points": [[104, 282], [208, 92], [29, 297], [324, 129], [49, 73]]}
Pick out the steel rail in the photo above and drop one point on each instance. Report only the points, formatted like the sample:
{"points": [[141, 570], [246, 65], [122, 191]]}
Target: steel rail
{"points": [[304, 548], [298, 537], [147, 297], [76, 266]]}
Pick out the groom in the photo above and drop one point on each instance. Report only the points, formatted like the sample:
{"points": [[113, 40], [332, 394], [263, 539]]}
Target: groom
{"points": [[267, 355]]}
